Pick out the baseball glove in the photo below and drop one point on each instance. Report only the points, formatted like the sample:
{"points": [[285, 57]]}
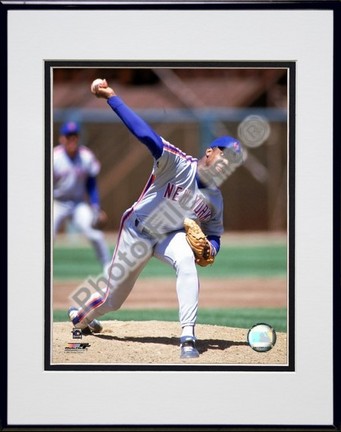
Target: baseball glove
{"points": [[99, 219], [198, 242]]}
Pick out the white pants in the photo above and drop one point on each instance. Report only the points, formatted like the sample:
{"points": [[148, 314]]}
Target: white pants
{"points": [[81, 215], [133, 250]]}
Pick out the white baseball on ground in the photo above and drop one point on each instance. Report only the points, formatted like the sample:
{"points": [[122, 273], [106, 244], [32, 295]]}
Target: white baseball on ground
{"points": [[95, 84]]}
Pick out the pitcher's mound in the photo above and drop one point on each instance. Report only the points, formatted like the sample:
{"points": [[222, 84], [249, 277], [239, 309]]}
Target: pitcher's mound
{"points": [[155, 342]]}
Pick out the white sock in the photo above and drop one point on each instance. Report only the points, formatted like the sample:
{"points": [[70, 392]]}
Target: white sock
{"points": [[188, 331]]}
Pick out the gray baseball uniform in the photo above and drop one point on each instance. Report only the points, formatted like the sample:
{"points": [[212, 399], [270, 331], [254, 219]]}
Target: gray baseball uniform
{"points": [[70, 191]]}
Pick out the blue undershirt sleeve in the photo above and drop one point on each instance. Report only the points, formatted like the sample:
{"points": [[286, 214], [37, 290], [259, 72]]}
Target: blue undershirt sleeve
{"points": [[215, 242], [137, 126], [92, 191]]}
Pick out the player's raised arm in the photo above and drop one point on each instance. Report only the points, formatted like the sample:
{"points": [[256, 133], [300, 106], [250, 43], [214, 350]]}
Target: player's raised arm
{"points": [[134, 123]]}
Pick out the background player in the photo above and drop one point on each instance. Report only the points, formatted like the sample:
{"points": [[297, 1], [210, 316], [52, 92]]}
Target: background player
{"points": [[75, 192], [180, 186]]}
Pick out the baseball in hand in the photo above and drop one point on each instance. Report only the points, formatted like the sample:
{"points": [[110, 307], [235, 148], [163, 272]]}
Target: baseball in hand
{"points": [[95, 84]]}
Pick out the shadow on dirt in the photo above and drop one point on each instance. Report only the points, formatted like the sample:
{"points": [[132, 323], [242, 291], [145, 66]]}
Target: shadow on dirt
{"points": [[202, 344]]}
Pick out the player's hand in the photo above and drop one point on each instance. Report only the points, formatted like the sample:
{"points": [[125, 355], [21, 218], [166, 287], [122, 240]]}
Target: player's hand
{"points": [[104, 91], [99, 219]]}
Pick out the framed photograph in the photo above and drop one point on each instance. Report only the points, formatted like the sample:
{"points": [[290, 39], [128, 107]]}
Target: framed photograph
{"points": [[256, 288], [125, 128]]}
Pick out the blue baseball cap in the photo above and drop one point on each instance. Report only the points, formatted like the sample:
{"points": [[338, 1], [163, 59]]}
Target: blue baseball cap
{"points": [[228, 142], [70, 128], [234, 152]]}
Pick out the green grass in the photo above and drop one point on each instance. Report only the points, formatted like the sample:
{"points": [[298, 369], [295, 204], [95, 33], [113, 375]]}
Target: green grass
{"points": [[241, 261], [239, 318], [244, 261]]}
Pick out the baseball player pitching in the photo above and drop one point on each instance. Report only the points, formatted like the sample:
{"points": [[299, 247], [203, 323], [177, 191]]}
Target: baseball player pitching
{"points": [[75, 192], [178, 219]]}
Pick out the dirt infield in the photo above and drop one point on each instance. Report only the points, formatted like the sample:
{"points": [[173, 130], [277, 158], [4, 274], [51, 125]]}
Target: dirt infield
{"points": [[219, 293], [154, 342]]}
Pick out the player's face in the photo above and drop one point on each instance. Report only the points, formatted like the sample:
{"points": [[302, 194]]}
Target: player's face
{"points": [[213, 167], [216, 157], [70, 143]]}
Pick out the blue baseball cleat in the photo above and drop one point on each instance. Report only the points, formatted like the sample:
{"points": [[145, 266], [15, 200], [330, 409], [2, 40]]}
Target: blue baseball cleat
{"points": [[187, 347], [93, 327]]}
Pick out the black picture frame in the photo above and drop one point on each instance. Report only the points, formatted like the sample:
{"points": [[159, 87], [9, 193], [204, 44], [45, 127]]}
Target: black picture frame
{"points": [[5, 90]]}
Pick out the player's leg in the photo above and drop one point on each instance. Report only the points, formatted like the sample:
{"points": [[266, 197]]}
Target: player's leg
{"points": [[175, 251], [61, 211], [131, 254], [82, 218]]}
